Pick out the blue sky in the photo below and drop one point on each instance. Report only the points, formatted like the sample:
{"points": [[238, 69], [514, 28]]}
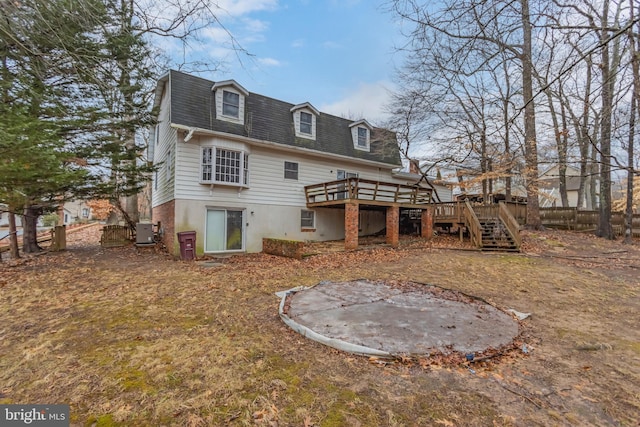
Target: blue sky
{"points": [[337, 55]]}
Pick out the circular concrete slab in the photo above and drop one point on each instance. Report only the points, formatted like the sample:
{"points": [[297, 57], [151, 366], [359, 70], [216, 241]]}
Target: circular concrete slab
{"points": [[392, 318]]}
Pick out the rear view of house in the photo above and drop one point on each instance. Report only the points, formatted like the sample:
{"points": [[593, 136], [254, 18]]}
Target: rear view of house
{"points": [[236, 167]]}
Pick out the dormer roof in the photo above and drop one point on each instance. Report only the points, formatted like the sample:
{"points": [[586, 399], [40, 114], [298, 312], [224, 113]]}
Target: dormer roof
{"points": [[232, 83], [306, 105], [362, 122]]}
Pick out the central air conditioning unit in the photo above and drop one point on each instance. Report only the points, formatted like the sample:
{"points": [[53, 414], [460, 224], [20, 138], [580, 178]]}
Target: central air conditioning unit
{"points": [[144, 234]]}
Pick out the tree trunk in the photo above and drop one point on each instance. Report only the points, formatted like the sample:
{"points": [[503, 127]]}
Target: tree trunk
{"points": [[530, 143], [605, 230], [30, 230], [628, 232], [13, 235]]}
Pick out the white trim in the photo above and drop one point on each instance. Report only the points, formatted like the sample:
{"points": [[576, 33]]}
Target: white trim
{"points": [[243, 244], [297, 124], [305, 105], [227, 83]]}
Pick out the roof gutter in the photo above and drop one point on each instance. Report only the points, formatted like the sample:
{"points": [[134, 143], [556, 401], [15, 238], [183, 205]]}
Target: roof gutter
{"points": [[262, 143]]}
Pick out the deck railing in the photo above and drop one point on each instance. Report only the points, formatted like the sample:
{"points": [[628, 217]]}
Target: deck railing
{"points": [[449, 211], [367, 190], [511, 223], [473, 224]]}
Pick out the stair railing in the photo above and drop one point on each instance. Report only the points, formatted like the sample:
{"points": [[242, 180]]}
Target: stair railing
{"points": [[511, 223], [471, 219]]}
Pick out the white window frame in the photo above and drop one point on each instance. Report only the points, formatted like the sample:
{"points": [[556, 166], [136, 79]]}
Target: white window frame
{"points": [[291, 170], [236, 106], [219, 170], [168, 166], [363, 138], [304, 212], [361, 133], [305, 123], [225, 230]]}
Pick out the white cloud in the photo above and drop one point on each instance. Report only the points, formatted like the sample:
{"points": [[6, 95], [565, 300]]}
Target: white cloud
{"points": [[242, 7], [269, 62], [366, 101], [298, 43], [331, 45]]}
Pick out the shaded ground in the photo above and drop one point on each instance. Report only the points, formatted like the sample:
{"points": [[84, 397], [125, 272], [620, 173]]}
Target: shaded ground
{"points": [[133, 337]]}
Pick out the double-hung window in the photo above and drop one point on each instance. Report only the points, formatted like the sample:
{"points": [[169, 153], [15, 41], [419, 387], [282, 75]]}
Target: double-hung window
{"points": [[362, 137], [307, 219], [306, 123], [230, 104], [224, 166], [290, 170]]}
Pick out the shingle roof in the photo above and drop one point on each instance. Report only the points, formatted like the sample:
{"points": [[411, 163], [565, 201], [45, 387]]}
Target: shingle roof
{"points": [[268, 119]]}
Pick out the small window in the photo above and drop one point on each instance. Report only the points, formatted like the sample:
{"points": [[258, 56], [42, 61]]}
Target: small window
{"points": [[291, 170], [230, 104], [307, 219], [306, 123], [85, 212], [362, 137], [168, 166]]}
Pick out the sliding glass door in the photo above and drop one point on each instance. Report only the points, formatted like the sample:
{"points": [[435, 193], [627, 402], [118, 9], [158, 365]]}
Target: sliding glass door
{"points": [[224, 230]]}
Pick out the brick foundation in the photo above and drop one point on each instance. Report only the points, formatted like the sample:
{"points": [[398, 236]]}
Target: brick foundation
{"points": [[351, 217], [166, 213], [426, 223], [393, 226]]}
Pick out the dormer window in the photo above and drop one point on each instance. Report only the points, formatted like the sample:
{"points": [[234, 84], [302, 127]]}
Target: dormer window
{"points": [[230, 104], [306, 123], [304, 120], [361, 134], [230, 99]]}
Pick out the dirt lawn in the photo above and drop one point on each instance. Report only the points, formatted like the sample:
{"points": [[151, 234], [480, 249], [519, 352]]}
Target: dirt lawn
{"points": [[135, 338]]}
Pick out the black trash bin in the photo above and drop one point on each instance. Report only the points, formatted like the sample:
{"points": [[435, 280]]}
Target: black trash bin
{"points": [[187, 241]]}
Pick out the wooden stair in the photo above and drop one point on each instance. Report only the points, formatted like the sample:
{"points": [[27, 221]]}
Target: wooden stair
{"points": [[496, 236]]}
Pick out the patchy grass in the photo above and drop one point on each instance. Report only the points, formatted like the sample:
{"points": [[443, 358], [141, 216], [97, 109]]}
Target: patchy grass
{"points": [[136, 338]]}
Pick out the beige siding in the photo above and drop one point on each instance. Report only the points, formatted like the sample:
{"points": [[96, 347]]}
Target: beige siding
{"points": [[163, 189], [267, 184]]}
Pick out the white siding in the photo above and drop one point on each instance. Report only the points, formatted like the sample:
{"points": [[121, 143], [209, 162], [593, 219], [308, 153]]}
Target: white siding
{"points": [[267, 184], [163, 189]]}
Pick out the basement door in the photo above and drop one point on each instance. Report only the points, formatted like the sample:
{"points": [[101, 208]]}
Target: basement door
{"points": [[224, 231]]}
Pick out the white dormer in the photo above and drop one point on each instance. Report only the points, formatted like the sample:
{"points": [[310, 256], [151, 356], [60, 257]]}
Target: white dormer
{"points": [[361, 134], [230, 97], [304, 120]]}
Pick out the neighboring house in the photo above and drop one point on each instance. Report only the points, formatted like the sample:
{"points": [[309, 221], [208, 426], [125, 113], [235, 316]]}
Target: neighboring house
{"points": [[76, 211], [234, 167], [4, 216], [549, 184]]}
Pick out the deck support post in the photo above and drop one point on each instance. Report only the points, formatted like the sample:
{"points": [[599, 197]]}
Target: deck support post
{"points": [[393, 226], [351, 217], [426, 223]]}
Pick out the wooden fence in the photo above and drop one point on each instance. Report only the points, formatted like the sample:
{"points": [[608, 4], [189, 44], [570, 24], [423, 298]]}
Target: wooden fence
{"points": [[115, 235], [579, 220]]}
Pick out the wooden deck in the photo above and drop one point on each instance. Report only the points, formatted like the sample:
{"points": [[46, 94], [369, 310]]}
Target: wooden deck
{"points": [[367, 192]]}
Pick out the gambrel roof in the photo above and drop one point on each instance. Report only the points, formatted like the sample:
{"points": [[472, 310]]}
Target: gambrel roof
{"points": [[271, 120]]}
